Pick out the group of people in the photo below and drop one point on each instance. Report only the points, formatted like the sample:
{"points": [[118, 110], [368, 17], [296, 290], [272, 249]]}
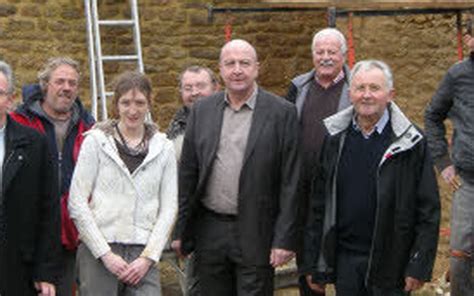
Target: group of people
{"points": [[334, 174]]}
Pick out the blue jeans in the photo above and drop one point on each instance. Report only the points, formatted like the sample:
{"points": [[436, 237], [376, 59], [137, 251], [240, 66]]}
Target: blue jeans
{"points": [[462, 239]]}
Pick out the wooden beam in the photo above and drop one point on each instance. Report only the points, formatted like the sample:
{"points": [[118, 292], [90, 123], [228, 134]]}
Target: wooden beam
{"points": [[373, 5]]}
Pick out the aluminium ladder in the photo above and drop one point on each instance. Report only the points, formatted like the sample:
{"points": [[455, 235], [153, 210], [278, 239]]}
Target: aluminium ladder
{"points": [[97, 58]]}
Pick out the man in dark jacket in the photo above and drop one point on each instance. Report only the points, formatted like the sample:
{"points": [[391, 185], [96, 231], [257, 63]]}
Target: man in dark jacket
{"points": [[317, 94], [195, 82], [376, 206], [237, 181], [53, 108], [454, 99], [29, 207]]}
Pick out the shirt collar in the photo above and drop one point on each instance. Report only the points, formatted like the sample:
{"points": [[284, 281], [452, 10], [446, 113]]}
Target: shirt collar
{"points": [[379, 126], [251, 101], [336, 79]]}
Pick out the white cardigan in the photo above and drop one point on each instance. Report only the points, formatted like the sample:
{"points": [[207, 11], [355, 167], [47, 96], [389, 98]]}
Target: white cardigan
{"points": [[138, 208]]}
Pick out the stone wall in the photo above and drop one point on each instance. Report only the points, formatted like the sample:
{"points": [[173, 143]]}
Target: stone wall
{"points": [[179, 33]]}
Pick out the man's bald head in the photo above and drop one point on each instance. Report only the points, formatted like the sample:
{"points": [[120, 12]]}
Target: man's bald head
{"points": [[238, 66], [241, 44]]}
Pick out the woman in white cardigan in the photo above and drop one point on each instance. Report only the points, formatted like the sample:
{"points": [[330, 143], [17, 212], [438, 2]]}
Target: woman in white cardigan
{"points": [[123, 197]]}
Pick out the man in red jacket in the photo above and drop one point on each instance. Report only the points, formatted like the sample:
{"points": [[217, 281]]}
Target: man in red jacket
{"points": [[53, 108]]}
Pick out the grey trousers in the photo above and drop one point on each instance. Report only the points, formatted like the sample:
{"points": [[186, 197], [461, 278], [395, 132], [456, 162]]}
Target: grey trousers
{"points": [[462, 239], [95, 279]]}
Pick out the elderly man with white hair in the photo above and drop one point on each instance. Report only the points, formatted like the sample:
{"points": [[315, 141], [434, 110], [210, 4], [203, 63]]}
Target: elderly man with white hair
{"points": [[376, 208], [317, 94]]}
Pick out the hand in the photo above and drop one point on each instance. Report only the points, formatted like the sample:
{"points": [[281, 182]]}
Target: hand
{"points": [[318, 288], [114, 263], [412, 284], [449, 175], [469, 41], [45, 289], [176, 246], [136, 271], [279, 257]]}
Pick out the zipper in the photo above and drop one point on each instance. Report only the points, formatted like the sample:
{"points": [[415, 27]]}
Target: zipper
{"points": [[392, 152], [60, 173], [372, 246]]}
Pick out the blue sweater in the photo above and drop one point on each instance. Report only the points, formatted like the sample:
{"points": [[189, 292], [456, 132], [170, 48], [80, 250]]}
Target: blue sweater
{"points": [[357, 188]]}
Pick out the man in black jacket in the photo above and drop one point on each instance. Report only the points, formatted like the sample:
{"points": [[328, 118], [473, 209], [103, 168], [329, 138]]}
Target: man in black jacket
{"points": [[376, 206], [29, 205]]}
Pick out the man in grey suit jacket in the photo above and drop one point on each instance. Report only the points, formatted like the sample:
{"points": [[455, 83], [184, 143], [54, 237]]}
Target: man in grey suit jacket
{"points": [[237, 181]]}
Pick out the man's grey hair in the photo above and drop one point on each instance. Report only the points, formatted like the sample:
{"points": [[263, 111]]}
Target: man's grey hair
{"points": [[330, 32], [52, 64], [373, 64], [6, 70], [198, 69]]}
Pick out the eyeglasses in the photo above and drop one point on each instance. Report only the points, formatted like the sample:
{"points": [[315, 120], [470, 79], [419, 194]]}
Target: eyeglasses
{"points": [[4, 93], [198, 86]]}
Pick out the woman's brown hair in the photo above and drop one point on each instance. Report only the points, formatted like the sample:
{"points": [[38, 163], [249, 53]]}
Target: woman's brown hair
{"points": [[127, 81]]}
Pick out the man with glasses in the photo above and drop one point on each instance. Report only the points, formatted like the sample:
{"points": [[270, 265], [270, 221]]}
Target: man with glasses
{"points": [[29, 209], [194, 82], [237, 181], [53, 108]]}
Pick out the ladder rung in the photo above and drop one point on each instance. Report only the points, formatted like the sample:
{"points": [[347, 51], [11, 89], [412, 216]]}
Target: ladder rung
{"points": [[116, 22], [108, 58]]}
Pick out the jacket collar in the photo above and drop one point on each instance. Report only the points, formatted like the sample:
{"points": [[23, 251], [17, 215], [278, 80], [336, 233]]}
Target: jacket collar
{"points": [[13, 137], [406, 134], [103, 131], [15, 140], [32, 97]]}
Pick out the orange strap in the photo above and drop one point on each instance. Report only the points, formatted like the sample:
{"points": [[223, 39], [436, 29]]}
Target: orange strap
{"points": [[459, 35], [350, 43], [460, 254], [228, 31]]}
